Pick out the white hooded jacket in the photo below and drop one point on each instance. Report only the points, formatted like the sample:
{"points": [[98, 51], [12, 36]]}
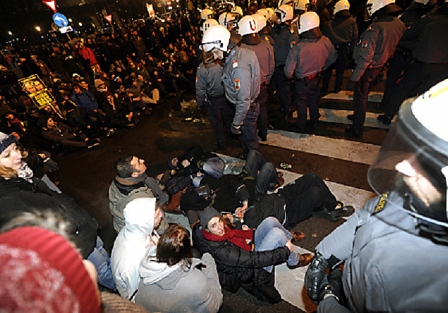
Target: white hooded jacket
{"points": [[132, 244]]}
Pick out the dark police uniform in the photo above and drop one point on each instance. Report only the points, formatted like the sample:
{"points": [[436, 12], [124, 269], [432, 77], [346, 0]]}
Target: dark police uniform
{"points": [[429, 45], [305, 62], [210, 93], [342, 30], [389, 266], [241, 78], [283, 39], [376, 45]]}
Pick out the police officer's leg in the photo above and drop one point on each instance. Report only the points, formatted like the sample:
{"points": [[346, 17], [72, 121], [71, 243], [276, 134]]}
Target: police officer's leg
{"points": [[313, 100], [217, 122], [263, 117], [254, 163], [248, 137], [326, 78], [396, 66], [340, 66], [283, 90], [360, 97], [300, 97], [228, 112]]}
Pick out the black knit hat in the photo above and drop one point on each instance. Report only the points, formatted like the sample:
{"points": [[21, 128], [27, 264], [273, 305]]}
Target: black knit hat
{"points": [[206, 215], [6, 141]]}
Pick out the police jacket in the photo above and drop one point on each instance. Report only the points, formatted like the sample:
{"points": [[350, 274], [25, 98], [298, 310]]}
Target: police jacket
{"points": [[236, 267], [241, 78], [342, 30], [426, 40], [283, 39], [209, 82], [389, 266], [310, 56], [265, 54], [377, 44]]}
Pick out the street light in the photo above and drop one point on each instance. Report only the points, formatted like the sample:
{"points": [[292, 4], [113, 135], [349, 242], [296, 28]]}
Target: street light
{"points": [[38, 28], [9, 33]]}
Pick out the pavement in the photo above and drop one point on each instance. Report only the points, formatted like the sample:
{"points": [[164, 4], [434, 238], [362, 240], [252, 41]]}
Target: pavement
{"points": [[176, 125]]}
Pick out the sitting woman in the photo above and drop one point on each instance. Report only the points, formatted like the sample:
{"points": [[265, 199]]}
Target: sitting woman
{"points": [[245, 258], [174, 281]]}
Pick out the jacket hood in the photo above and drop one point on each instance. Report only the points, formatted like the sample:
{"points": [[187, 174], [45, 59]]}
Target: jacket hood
{"points": [[139, 216], [166, 277]]}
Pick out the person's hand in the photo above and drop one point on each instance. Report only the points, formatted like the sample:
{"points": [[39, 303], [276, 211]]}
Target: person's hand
{"points": [[228, 216], [350, 85], [314, 276], [236, 130], [185, 163]]}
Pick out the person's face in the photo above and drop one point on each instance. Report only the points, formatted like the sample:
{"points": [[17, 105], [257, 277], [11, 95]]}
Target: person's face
{"points": [[50, 123], [138, 165], [218, 54], [158, 216], [216, 226], [11, 157], [78, 90], [419, 184]]}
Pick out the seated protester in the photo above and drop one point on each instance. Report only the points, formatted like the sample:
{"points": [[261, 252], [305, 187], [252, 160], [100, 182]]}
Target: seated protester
{"points": [[21, 191], [189, 162], [40, 163], [119, 113], [133, 97], [245, 258], [158, 80], [65, 135], [168, 273], [13, 125], [142, 216], [147, 98], [149, 89]]}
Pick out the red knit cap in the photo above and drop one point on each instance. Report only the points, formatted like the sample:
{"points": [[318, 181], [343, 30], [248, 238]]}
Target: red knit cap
{"points": [[41, 272]]}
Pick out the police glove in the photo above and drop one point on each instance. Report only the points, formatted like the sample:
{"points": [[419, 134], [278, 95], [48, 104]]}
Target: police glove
{"points": [[350, 85], [331, 286], [314, 275], [236, 130]]}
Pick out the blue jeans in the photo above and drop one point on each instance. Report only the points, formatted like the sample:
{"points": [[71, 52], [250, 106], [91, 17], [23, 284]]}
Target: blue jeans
{"points": [[270, 234], [101, 260]]}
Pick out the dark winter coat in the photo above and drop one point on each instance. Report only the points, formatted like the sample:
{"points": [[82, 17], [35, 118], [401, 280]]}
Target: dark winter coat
{"points": [[237, 267]]}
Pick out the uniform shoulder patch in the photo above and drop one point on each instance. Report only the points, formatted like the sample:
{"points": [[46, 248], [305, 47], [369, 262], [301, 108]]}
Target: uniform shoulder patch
{"points": [[237, 83], [381, 203], [235, 63], [364, 44]]}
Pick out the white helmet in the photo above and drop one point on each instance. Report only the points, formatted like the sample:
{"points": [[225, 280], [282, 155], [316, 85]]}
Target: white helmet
{"points": [[264, 12], [248, 25], [374, 5], [301, 5], [209, 23], [341, 5], [206, 14], [216, 36], [285, 13], [227, 17], [237, 9], [270, 13], [260, 20], [308, 21], [284, 2]]}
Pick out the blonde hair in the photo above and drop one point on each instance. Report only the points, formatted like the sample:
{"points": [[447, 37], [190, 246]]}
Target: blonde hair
{"points": [[7, 172]]}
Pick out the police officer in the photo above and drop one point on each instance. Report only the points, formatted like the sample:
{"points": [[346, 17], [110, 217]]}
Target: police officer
{"points": [[205, 15], [376, 45], [342, 30], [241, 79], [284, 39], [305, 62], [430, 51], [265, 32], [210, 94], [248, 28], [229, 20], [395, 248]]}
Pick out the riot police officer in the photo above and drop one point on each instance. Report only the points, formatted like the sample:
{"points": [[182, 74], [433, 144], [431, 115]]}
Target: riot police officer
{"points": [[342, 30], [305, 62], [395, 248], [376, 45], [210, 94], [241, 79], [248, 28], [284, 39]]}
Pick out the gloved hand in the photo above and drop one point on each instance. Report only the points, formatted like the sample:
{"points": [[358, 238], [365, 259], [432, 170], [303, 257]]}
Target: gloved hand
{"points": [[331, 286], [350, 85], [236, 130], [314, 275], [50, 165]]}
